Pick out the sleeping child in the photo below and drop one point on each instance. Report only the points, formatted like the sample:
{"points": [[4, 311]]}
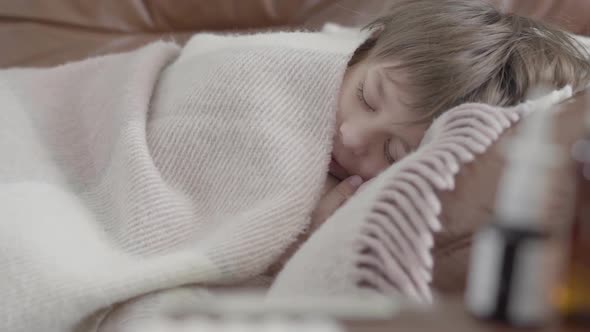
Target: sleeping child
{"points": [[415, 66], [208, 165]]}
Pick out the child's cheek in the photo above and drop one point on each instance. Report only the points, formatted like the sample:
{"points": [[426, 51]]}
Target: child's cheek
{"points": [[371, 168]]}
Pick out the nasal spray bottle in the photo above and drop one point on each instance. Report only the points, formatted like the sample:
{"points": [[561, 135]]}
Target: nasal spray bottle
{"points": [[507, 279]]}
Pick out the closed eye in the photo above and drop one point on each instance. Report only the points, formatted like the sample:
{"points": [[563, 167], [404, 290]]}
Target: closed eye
{"points": [[360, 93]]}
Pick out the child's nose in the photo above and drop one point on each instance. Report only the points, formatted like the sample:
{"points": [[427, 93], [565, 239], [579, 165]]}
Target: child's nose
{"points": [[355, 139]]}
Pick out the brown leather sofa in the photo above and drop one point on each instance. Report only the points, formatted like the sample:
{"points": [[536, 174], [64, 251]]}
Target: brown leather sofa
{"points": [[44, 33]]}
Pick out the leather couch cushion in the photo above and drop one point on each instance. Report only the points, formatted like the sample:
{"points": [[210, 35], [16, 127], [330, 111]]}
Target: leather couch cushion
{"points": [[43, 33], [573, 15]]}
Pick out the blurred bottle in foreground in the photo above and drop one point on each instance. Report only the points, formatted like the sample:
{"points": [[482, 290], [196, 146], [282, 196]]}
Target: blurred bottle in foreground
{"points": [[509, 278]]}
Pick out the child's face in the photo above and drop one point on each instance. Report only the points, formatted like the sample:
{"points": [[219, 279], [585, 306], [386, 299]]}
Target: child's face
{"points": [[372, 129]]}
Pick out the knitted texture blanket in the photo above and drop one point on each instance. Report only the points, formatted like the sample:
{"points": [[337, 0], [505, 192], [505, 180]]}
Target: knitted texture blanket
{"points": [[378, 243], [131, 173]]}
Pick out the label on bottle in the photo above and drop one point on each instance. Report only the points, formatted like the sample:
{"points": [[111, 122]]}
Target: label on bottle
{"points": [[529, 301], [484, 277]]}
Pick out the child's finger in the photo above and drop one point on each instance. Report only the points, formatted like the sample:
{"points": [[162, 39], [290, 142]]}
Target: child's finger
{"points": [[337, 196]]}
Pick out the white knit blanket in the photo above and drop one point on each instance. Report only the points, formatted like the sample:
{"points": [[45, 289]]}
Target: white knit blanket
{"points": [[378, 243], [132, 173]]}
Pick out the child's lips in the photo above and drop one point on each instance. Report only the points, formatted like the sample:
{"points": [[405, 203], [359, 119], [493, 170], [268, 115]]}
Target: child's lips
{"points": [[337, 170]]}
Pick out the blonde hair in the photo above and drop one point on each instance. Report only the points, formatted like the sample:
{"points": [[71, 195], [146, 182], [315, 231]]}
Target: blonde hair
{"points": [[457, 51]]}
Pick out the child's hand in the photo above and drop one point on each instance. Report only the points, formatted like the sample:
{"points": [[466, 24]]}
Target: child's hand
{"points": [[333, 198]]}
